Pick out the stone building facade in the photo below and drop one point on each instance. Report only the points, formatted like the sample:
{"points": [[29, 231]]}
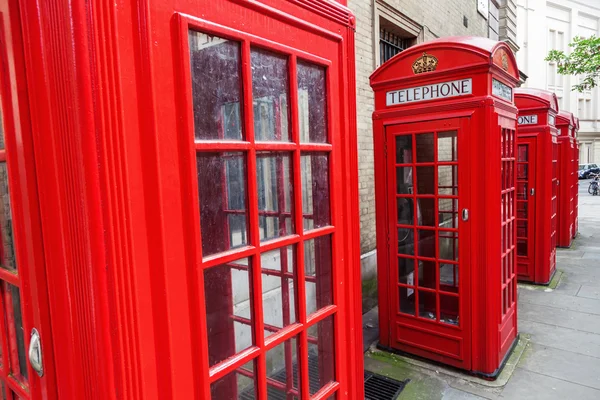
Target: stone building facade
{"points": [[546, 25], [385, 28]]}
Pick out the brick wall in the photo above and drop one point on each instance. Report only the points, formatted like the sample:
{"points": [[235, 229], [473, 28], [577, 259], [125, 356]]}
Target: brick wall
{"points": [[438, 18]]}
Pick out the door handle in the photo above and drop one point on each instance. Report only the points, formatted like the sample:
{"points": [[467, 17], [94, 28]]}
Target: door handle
{"points": [[35, 353], [532, 191], [465, 214]]}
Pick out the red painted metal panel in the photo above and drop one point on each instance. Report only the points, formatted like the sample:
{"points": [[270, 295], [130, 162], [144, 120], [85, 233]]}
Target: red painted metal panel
{"points": [[122, 174], [432, 302], [576, 179], [565, 123], [537, 118]]}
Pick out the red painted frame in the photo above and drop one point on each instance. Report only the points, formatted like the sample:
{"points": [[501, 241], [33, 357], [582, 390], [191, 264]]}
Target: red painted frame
{"points": [[567, 170], [542, 105], [487, 156], [108, 88]]}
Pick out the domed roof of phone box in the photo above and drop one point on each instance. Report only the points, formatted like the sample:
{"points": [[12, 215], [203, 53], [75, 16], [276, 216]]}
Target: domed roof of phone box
{"points": [[453, 54], [529, 98]]}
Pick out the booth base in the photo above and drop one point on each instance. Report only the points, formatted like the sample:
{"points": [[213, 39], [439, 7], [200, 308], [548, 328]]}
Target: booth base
{"points": [[554, 279], [424, 362]]}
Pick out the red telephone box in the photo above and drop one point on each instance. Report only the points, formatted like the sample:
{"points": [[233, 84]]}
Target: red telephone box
{"points": [[576, 180], [537, 184], [565, 123], [444, 135], [196, 231]]}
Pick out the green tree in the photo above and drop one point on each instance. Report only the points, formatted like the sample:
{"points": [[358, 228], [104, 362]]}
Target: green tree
{"points": [[583, 61]]}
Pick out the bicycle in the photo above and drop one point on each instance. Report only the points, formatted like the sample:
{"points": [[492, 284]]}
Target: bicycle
{"points": [[594, 188]]}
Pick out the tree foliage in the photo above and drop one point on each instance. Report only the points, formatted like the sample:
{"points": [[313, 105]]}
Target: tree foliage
{"points": [[583, 61]]}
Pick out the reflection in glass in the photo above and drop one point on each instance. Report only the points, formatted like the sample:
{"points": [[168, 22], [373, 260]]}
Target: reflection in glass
{"points": [[13, 296], [227, 294], [279, 301], [216, 87], [312, 110], [223, 211], [315, 190], [321, 355], [404, 180], [425, 180], [406, 241], [427, 245], [282, 364], [427, 305], [233, 386], [448, 213], [406, 270], [405, 211], [449, 310], [427, 277], [522, 247], [522, 171], [270, 95], [425, 147], [7, 255], [275, 197], [449, 277], [523, 153], [447, 146], [406, 298], [448, 245], [318, 273], [426, 216], [404, 149], [448, 180]]}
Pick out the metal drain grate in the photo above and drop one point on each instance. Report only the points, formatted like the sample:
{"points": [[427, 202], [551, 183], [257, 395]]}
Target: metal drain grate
{"points": [[378, 387]]}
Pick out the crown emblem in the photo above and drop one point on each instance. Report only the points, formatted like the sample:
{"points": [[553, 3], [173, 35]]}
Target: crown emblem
{"points": [[504, 61], [425, 63]]}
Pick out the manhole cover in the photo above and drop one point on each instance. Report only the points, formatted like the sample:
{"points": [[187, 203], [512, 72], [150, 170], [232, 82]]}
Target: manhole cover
{"points": [[379, 387]]}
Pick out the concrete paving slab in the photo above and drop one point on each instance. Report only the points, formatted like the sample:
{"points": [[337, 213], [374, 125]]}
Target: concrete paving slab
{"points": [[564, 318], [589, 292], [455, 394], [527, 385], [563, 365], [559, 300], [568, 288], [562, 338]]}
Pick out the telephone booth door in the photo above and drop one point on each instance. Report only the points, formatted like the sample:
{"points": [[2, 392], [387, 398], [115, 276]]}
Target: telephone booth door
{"points": [[26, 366], [526, 173], [430, 284]]}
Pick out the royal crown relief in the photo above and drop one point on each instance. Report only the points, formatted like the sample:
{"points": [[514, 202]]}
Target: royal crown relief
{"points": [[425, 63]]}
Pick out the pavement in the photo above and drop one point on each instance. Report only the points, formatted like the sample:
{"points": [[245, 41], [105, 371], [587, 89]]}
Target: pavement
{"points": [[559, 354]]}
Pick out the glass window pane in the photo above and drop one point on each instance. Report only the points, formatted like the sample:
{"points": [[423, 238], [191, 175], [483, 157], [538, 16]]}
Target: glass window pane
{"points": [[315, 190], [447, 146], [406, 241], [427, 306], [448, 213], [425, 180], [216, 87], [449, 277], [318, 274], [449, 310], [448, 245], [279, 300], [425, 148], [406, 298], [426, 247], [222, 192], [7, 256], [405, 211], [448, 180], [1, 132], [404, 180], [13, 300], [426, 213], [275, 198], [406, 271], [270, 96], [312, 103], [427, 276], [227, 294], [282, 364], [233, 386], [404, 149], [321, 354]]}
